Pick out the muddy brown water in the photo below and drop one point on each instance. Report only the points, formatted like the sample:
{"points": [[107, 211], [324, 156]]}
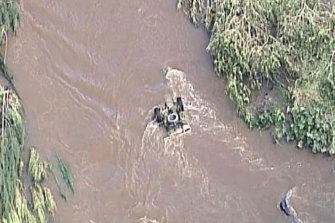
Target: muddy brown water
{"points": [[89, 73]]}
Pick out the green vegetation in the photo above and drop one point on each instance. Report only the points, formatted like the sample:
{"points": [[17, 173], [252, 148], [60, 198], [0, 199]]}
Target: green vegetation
{"points": [[38, 169], [9, 21], [288, 45], [43, 204], [12, 139], [14, 205], [66, 173]]}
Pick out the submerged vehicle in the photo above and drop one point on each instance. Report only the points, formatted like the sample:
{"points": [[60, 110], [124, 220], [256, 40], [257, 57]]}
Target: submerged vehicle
{"points": [[172, 115]]}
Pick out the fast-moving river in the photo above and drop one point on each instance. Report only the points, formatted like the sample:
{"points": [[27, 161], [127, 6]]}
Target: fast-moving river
{"points": [[90, 73]]}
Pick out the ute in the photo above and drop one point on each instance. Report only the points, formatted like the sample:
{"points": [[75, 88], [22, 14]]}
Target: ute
{"points": [[172, 116]]}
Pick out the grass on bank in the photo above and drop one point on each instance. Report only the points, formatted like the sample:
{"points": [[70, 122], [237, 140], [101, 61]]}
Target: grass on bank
{"points": [[286, 44], [14, 206]]}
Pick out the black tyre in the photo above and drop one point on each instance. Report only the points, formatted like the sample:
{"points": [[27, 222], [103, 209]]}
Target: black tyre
{"points": [[157, 115], [180, 104]]}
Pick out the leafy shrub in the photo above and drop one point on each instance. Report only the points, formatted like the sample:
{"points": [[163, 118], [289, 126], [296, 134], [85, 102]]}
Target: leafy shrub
{"points": [[290, 43]]}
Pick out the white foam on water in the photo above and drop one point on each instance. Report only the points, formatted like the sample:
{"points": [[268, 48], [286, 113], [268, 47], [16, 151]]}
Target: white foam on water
{"points": [[203, 119], [159, 155]]}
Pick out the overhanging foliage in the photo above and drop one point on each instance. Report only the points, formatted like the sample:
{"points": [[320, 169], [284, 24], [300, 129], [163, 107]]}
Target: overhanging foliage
{"points": [[289, 43]]}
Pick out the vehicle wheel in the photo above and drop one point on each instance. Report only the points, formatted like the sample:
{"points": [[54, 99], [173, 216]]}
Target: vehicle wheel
{"points": [[157, 115], [180, 104]]}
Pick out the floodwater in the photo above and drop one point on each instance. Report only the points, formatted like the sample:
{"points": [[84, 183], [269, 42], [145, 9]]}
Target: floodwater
{"points": [[90, 72]]}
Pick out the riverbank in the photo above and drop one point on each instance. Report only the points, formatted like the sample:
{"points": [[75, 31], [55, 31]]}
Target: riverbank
{"points": [[18, 176], [279, 61]]}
